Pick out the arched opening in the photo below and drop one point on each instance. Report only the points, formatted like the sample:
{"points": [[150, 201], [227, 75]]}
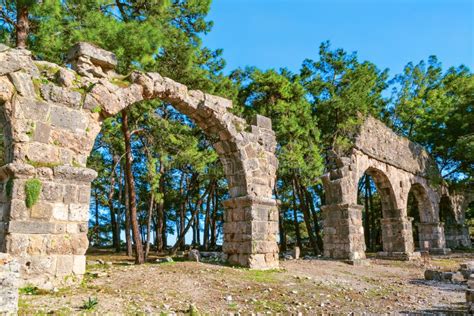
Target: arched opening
{"points": [[380, 216], [419, 208], [447, 216], [369, 197], [179, 183]]}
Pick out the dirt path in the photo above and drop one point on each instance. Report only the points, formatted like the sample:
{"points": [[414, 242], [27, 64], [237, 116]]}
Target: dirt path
{"points": [[307, 286]]}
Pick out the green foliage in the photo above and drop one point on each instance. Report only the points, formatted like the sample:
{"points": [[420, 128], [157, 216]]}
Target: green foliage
{"points": [[281, 97], [436, 110], [29, 290], [343, 91], [90, 304], [32, 192]]}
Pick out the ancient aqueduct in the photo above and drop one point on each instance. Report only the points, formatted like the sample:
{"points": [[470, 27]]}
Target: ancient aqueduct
{"points": [[51, 116]]}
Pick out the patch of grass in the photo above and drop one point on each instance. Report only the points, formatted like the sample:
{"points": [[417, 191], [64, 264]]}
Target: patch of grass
{"points": [[32, 290], [273, 306], [261, 275], [233, 306], [90, 304], [29, 290], [97, 109], [193, 311], [32, 192], [448, 264]]}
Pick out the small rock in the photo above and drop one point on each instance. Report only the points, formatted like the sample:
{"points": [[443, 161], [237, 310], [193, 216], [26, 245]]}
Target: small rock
{"points": [[194, 255], [228, 298]]}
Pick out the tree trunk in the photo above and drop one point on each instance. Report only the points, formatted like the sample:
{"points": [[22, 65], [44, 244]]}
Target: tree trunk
{"points": [[182, 215], [160, 224], [139, 259], [96, 226], [213, 242], [113, 222], [207, 220], [22, 25], [306, 216], [128, 237], [190, 222], [148, 224], [118, 228], [295, 220], [317, 228], [283, 245]]}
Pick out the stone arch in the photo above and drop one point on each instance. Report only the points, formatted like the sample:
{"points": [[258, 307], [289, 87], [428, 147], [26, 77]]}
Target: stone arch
{"points": [[385, 189], [395, 164], [56, 114], [453, 207], [425, 205]]}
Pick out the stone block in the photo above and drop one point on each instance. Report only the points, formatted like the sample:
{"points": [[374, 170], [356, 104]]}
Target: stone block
{"points": [[23, 84], [65, 264], [60, 211], [31, 227], [97, 56], [43, 153], [68, 119], [262, 122], [37, 244], [42, 210], [78, 212], [79, 243], [79, 265], [18, 210], [70, 195], [33, 109]]}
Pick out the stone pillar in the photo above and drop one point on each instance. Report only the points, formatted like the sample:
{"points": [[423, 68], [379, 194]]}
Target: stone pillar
{"points": [[457, 235], [343, 233], [9, 277], [397, 237], [250, 232], [48, 237], [431, 237]]}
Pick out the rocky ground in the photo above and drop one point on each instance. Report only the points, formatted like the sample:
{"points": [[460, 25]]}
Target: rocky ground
{"points": [[307, 286]]}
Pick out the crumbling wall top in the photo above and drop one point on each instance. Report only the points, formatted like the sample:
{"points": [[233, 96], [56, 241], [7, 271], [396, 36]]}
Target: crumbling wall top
{"points": [[378, 141]]}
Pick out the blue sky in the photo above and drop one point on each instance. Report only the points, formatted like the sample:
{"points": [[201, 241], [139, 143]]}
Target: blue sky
{"points": [[390, 33]]}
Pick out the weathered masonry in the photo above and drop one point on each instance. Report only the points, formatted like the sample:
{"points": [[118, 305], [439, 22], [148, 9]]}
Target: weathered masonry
{"points": [[50, 118], [453, 206], [397, 166]]}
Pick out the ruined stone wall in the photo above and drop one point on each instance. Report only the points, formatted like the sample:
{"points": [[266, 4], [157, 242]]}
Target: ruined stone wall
{"points": [[51, 116], [398, 167], [380, 142]]}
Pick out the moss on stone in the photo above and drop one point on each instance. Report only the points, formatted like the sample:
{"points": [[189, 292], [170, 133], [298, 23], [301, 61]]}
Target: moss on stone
{"points": [[41, 164], [32, 192]]}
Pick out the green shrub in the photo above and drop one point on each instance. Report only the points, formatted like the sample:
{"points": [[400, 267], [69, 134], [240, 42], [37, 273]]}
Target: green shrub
{"points": [[90, 304], [32, 192]]}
